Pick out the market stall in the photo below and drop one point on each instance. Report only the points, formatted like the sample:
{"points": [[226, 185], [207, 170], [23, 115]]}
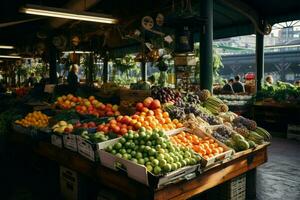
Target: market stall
{"points": [[154, 151]]}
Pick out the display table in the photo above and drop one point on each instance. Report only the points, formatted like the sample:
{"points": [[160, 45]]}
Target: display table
{"points": [[275, 116], [241, 163]]}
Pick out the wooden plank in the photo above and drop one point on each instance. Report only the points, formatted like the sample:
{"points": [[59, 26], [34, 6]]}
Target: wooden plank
{"points": [[213, 177]]}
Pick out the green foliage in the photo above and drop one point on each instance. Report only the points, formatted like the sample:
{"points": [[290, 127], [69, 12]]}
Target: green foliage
{"points": [[280, 92], [217, 63]]}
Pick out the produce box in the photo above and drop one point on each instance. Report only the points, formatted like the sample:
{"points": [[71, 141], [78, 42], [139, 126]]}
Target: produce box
{"points": [[70, 142], [234, 189], [87, 149], [228, 152], [140, 173], [129, 98], [57, 140], [21, 129]]}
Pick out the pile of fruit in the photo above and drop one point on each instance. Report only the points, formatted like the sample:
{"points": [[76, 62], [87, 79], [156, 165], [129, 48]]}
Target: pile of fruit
{"points": [[205, 147], [85, 125], [62, 127], [154, 150], [165, 94], [215, 105], [86, 106], [239, 142], [36, 119], [149, 115], [94, 137]]}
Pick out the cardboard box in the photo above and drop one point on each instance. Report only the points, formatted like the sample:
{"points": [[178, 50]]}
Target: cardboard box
{"points": [[70, 142], [140, 173], [228, 152], [57, 140], [87, 149], [69, 184], [189, 60]]}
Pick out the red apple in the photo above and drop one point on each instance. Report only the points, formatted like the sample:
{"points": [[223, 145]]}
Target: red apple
{"points": [[91, 98], [139, 106], [147, 102], [155, 104]]}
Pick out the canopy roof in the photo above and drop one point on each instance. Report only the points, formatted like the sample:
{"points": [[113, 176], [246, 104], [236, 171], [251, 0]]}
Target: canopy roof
{"points": [[231, 17]]}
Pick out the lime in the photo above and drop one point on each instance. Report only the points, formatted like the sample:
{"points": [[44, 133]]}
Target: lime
{"points": [[134, 160], [151, 158], [118, 145], [141, 161], [187, 154], [178, 165], [125, 156], [128, 156], [149, 143], [113, 151], [152, 152], [159, 140], [109, 148], [122, 151], [183, 163], [122, 140], [157, 170], [161, 133], [160, 156], [128, 150], [170, 159], [142, 129], [146, 159], [162, 162], [155, 162], [148, 163], [164, 145], [139, 155], [133, 153], [142, 135], [149, 168], [174, 166], [161, 151], [119, 155], [167, 168]]}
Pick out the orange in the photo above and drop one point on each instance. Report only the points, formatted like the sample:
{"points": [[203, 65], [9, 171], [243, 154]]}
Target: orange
{"points": [[216, 144], [208, 151], [175, 121], [221, 150], [211, 141], [165, 114], [168, 120], [215, 151]]}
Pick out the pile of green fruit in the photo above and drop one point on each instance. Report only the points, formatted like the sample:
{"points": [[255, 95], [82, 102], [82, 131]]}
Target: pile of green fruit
{"points": [[153, 150], [94, 137]]}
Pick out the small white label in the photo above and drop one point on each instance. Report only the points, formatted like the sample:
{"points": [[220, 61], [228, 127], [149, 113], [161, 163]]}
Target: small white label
{"points": [[70, 142], [168, 39], [56, 140], [85, 149]]}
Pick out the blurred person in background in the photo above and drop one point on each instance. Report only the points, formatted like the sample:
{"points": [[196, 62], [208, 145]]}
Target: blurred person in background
{"points": [[269, 80], [237, 85], [73, 78], [31, 80], [227, 88]]}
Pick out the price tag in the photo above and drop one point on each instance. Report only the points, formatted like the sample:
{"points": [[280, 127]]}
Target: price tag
{"points": [[70, 142], [85, 149], [56, 141]]}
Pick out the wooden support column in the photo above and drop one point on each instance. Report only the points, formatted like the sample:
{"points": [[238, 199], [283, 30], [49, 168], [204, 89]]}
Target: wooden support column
{"points": [[259, 61], [206, 42]]}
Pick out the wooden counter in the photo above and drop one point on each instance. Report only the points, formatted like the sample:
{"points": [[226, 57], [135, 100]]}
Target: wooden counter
{"points": [[242, 163]]}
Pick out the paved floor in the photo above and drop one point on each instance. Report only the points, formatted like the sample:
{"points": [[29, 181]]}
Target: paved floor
{"points": [[279, 178]]}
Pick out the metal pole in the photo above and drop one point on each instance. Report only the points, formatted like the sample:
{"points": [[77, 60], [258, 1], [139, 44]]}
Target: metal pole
{"points": [[105, 68], [52, 63], [206, 42], [259, 60], [144, 71]]}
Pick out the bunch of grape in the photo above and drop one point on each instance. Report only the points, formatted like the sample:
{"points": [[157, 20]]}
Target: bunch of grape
{"points": [[222, 134]]}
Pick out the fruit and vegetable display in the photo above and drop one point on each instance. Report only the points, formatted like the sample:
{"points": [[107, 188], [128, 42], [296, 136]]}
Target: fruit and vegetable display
{"points": [[154, 150], [87, 106], [205, 147], [62, 127], [148, 114], [215, 105], [94, 137], [35, 119], [280, 92], [165, 94]]}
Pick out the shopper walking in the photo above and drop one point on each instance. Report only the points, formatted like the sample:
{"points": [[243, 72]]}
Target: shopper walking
{"points": [[238, 86]]}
